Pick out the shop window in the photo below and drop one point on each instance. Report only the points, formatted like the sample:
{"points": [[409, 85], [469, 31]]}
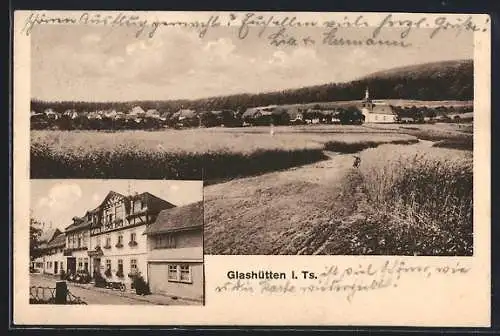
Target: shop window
{"points": [[179, 273]]}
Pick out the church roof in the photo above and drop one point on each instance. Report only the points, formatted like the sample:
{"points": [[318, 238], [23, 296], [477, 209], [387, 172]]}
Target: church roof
{"points": [[383, 109]]}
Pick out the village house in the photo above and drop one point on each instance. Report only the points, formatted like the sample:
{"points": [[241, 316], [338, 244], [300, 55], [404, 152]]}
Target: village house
{"points": [[137, 111], [175, 258], [54, 257], [118, 248], [50, 114], [152, 113], [41, 264], [71, 113], [77, 244], [377, 112]]}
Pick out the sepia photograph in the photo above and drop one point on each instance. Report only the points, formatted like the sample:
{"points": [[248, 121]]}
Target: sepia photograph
{"points": [[120, 242], [333, 144], [251, 168]]}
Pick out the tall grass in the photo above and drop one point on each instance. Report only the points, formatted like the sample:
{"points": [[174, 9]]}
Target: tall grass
{"points": [[189, 154], [412, 202]]}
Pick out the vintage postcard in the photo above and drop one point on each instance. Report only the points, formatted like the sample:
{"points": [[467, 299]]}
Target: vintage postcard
{"points": [[251, 168]]}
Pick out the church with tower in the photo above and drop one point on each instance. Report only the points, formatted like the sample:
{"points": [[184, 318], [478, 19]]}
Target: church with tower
{"points": [[377, 112]]}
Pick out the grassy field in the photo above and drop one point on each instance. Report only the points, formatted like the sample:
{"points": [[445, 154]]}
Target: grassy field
{"points": [[403, 200], [188, 154]]}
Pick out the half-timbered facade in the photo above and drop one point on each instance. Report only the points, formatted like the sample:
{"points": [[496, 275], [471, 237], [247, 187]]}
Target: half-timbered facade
{"points": [[118, 247]]}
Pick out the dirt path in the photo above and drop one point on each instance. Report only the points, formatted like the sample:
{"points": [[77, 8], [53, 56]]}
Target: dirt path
{"points": [[284, 212]]}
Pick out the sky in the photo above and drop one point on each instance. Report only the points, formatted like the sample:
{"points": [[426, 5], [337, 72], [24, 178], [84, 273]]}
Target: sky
{"points": [[56, 202], [97, 63]]}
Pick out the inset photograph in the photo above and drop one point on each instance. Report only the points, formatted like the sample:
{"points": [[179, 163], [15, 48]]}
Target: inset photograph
{"points": [[120, 242]]}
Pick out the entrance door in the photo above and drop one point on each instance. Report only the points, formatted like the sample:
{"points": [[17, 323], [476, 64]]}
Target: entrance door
{"points": [[56, 271], [71, 265], [97, 266]]}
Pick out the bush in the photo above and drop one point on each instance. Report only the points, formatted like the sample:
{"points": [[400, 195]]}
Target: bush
{"points": [[140, 285]]}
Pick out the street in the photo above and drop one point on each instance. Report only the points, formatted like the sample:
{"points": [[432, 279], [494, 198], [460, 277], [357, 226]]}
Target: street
{"points": [[90, 295]]}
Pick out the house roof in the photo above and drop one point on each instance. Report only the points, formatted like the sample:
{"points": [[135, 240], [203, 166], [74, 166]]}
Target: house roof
{"points": [[186, 113], [78, 224], [137, 110], [58, 241], [48, 235], [264, 110], [151, 200], [177, 219], [383, 109]]}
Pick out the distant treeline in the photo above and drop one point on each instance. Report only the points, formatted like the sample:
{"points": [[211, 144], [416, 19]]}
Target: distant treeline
{"points": [[451, 80]]}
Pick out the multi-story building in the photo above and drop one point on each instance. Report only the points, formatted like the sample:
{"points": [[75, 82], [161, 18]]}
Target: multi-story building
{"points": [[77, 244], [54, 259], [118, 247], [175, 258]]}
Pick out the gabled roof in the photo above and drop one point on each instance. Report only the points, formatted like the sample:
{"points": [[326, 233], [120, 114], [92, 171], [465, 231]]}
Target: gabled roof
{"points": [[78, 224], [137, 110], [48, 235], [108, 196], [58, 241], [186, 113], [383, 109], [177, 219]]}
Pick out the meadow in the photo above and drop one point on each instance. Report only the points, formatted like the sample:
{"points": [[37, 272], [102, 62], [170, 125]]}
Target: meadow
{"points": [[409, 201], [403, 200], [187, 154]]}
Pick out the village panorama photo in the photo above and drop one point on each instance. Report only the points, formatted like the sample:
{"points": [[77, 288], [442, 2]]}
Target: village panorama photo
{"points": [[121, 242], [304, 147]]}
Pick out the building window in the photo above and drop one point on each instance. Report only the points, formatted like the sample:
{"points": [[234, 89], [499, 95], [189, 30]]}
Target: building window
{"points": [[108, 264], [172, 272], [119, 272], [119, 211], [133, 241], [98, 241], [179, 273], [86, 264], [120, 265], [185, 273], [80, 264], [133, 265], [165, 241], [120, 241], [108, 242]]}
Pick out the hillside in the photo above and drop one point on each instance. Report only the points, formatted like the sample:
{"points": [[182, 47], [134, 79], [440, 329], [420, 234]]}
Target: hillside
{"points": [[447, 80]]}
